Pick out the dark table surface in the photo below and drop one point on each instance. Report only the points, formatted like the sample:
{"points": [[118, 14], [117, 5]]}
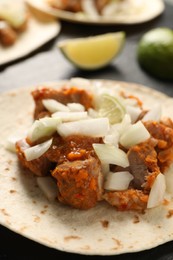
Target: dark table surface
{"points": [[47, 64]]}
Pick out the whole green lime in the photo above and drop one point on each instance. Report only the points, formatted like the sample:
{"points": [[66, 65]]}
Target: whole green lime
{"points": [[155, 52]]}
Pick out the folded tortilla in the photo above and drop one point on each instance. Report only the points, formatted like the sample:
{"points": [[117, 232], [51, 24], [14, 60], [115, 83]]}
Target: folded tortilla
{"points": [[150, 10], [99, 231]]}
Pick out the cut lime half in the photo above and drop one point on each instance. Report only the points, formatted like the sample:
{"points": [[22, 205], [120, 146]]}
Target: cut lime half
{"points": [[112, 108], [93, 52]]}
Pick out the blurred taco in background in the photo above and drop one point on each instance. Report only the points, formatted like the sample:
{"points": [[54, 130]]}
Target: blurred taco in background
{"points": [[101, 11], [13, 21]]}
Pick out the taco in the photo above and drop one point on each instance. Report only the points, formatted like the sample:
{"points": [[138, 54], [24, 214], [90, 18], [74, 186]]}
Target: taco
{"points": [[18, 24], [93, 172], [14, 20], [101, 11]]}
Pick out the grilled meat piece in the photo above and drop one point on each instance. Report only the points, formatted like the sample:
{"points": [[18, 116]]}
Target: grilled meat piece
{"points": [[79, 182], [71, 148], [127, 200], [143, 162], [64, 96], [67, 5], [163, 133], [8, 35]]}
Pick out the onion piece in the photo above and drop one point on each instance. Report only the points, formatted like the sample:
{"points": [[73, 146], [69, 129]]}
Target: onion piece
{"points": [[43, 127], [157, 192], [97, 127], [134, 113], [153, 114], [36, 151], [92, 113], [76, 107], [10, 144], [110, 154], [48, 187], [89, 8], [135, 134], [70, 116], [118, 180], [111, 138], [52, 105], [122, 127], [110, 9]]}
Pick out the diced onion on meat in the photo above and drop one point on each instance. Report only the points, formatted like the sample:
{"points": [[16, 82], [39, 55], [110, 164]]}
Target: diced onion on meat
{"points": [[11, 142], [157, 192], [169, 179], [52, 105], [43, 127], [48, 187], [89, 7], [97, 127], [36, 151], [110, 9], [111, 138], [153, 114], [118, 180], [134, 113], [135, 134], [92, 113], [111, 155], [123, 126], [70, 116], [76, 107]]}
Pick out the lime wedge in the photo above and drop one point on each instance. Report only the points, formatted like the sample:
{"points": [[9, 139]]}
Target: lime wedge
{"points": [[112, 108], [93, 52]]}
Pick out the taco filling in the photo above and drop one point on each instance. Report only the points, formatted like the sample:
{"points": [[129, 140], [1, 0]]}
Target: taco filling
{"points": [[98, 145], [98, 7], [13, 21]]}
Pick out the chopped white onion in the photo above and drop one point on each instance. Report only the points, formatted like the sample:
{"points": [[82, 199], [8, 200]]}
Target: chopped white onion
{"points": [[135, 134], [157, 192], [153, 114], [122, 127], [52, 105], [70, 116], [97, 127], [43, 127], [111, 138], [92, 113], [89, 7], [118, 180], [110, 9], [11, 142], [110, 154], [48, 187], [36, 151], [134, 113], [169, 179], [76, 107]]}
